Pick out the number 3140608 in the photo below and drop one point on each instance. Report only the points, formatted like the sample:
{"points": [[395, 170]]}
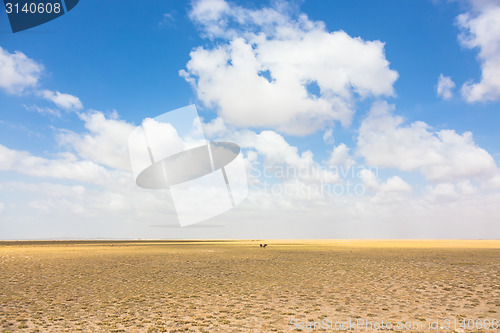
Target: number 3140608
{"points": [[33, 8]]}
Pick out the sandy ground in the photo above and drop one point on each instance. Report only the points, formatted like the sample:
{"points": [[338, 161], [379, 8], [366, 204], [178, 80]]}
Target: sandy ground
{"points": [[236, 286]]}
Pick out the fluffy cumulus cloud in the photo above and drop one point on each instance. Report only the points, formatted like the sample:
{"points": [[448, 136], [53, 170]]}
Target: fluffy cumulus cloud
{"points": [[449, 192], [105, 142], [280, 175], [20, 74], [340, 157], [275, 69], [445, 87], [441, 156], [98, 155], [64, 166], [481, 30], [271, 157], [17, 71], [62, 100], [395, 189]]}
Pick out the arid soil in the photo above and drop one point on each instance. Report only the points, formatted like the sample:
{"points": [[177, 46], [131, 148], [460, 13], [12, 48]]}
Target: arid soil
{"points": [[237, 286]]}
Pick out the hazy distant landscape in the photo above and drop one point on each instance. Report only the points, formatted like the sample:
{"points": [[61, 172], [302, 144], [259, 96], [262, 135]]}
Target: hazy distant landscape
{"points": [[236, 286]]}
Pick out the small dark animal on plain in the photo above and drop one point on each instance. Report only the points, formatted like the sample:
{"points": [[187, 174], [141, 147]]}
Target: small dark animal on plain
{"points": [[264, 245], [260, 245]]}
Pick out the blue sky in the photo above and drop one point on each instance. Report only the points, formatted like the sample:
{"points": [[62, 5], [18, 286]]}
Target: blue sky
{"points": [[102, 68]]}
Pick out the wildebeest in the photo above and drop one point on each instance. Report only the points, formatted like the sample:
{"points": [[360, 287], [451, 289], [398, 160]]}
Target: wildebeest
{"points": [[263, 245]]}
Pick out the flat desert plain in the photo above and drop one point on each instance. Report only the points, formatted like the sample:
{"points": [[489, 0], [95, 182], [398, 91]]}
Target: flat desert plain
{"points": [[237, 286]]}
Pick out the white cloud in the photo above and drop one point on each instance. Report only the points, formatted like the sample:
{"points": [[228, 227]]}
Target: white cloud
{"points": [[444, 192], [62, 100], [51, 197], [445, 87], [167, 20], [18, 72], [340, 157], [369, 179], [56, 190], [441, 156], [115, 196], [481, 29], [106, 141], [215, 128], [272, 158], [494, 182], [124, 202], [466, 187], [395, 184], [393, 190], [43, 110], [328, 136], [277, 152], [210, 14], [65, 166], [449, 192], [260, 76]]}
